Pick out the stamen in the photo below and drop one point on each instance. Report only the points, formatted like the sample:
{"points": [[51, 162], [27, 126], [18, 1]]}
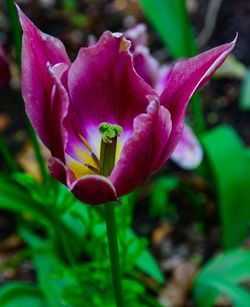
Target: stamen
{"points": [[95, 159], [93, 155], [85, 142], [92, 168]]}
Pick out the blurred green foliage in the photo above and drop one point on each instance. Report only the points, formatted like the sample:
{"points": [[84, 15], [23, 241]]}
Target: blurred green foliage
{"points": [[171, 22], [228, 159], [67, 243], [224, 275]]}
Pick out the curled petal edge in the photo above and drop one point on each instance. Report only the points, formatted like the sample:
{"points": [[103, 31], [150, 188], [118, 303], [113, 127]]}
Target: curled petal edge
{"points": [[91, 189]]}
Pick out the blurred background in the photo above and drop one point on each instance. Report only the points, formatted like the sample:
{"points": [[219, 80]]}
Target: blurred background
{"points": [[188, 217]]}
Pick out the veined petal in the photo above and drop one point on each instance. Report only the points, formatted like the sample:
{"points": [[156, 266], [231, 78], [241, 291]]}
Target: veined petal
{"points": [[188, 153], [4, 68], [186, 77], [141, 152], [94, 189], [38, 50], [103, 87]]}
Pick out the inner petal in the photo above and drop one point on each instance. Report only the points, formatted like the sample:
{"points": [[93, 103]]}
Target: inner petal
{"points": [[83, 155]]}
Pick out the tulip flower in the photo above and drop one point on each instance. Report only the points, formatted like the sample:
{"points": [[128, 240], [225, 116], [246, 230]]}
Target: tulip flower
{"points": [[4, 68], [188, 153], [76, 107]]}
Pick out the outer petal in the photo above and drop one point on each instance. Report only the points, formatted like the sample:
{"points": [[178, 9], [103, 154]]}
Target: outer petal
{"points": [[4, 68], [94, 190], [163, 75], [146, 66], [38, 50], [142, 151], [161, 133], [59, 103], [188, 153], [60, 172], [104, 87], [186, 78]]}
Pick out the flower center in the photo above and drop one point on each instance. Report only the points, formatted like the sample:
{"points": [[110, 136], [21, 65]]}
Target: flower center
{"points": [[98, 161], [108, 147]]}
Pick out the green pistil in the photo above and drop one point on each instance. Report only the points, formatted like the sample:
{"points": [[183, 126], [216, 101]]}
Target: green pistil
{"points": [[108, 147], [109, 132]]}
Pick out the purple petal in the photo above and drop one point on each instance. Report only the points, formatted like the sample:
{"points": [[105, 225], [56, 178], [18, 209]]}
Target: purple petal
{"points": [[141, 152], [94, 190], [4, 68], [188, 153], [145, 65], [186, 78], [104, 87], [162, 131], [163, 76], [58, 110], [44, 107], [60, 172], [137, 35]]}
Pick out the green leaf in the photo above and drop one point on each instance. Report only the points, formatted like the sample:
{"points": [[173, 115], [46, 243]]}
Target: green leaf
{"points": [[61, 229], [159, 196], [227, 156], [222, 275], [171, 21], [245, 93], [145, 261], [50, 276], [15, 294]]}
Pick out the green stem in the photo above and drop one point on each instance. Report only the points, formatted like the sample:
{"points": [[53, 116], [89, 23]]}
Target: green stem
{"points": [[107, 161], [17, 36], [114, 252], [11, 163], [199, 121]]}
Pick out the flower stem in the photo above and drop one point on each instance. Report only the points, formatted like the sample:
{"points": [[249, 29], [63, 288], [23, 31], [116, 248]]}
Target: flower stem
{"points": [[107, 161], [114, 252], [199, 122]]}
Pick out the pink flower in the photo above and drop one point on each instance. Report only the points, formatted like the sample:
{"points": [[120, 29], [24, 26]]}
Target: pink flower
{"points": [[66, 103], [188, 153], [4, 68]]}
